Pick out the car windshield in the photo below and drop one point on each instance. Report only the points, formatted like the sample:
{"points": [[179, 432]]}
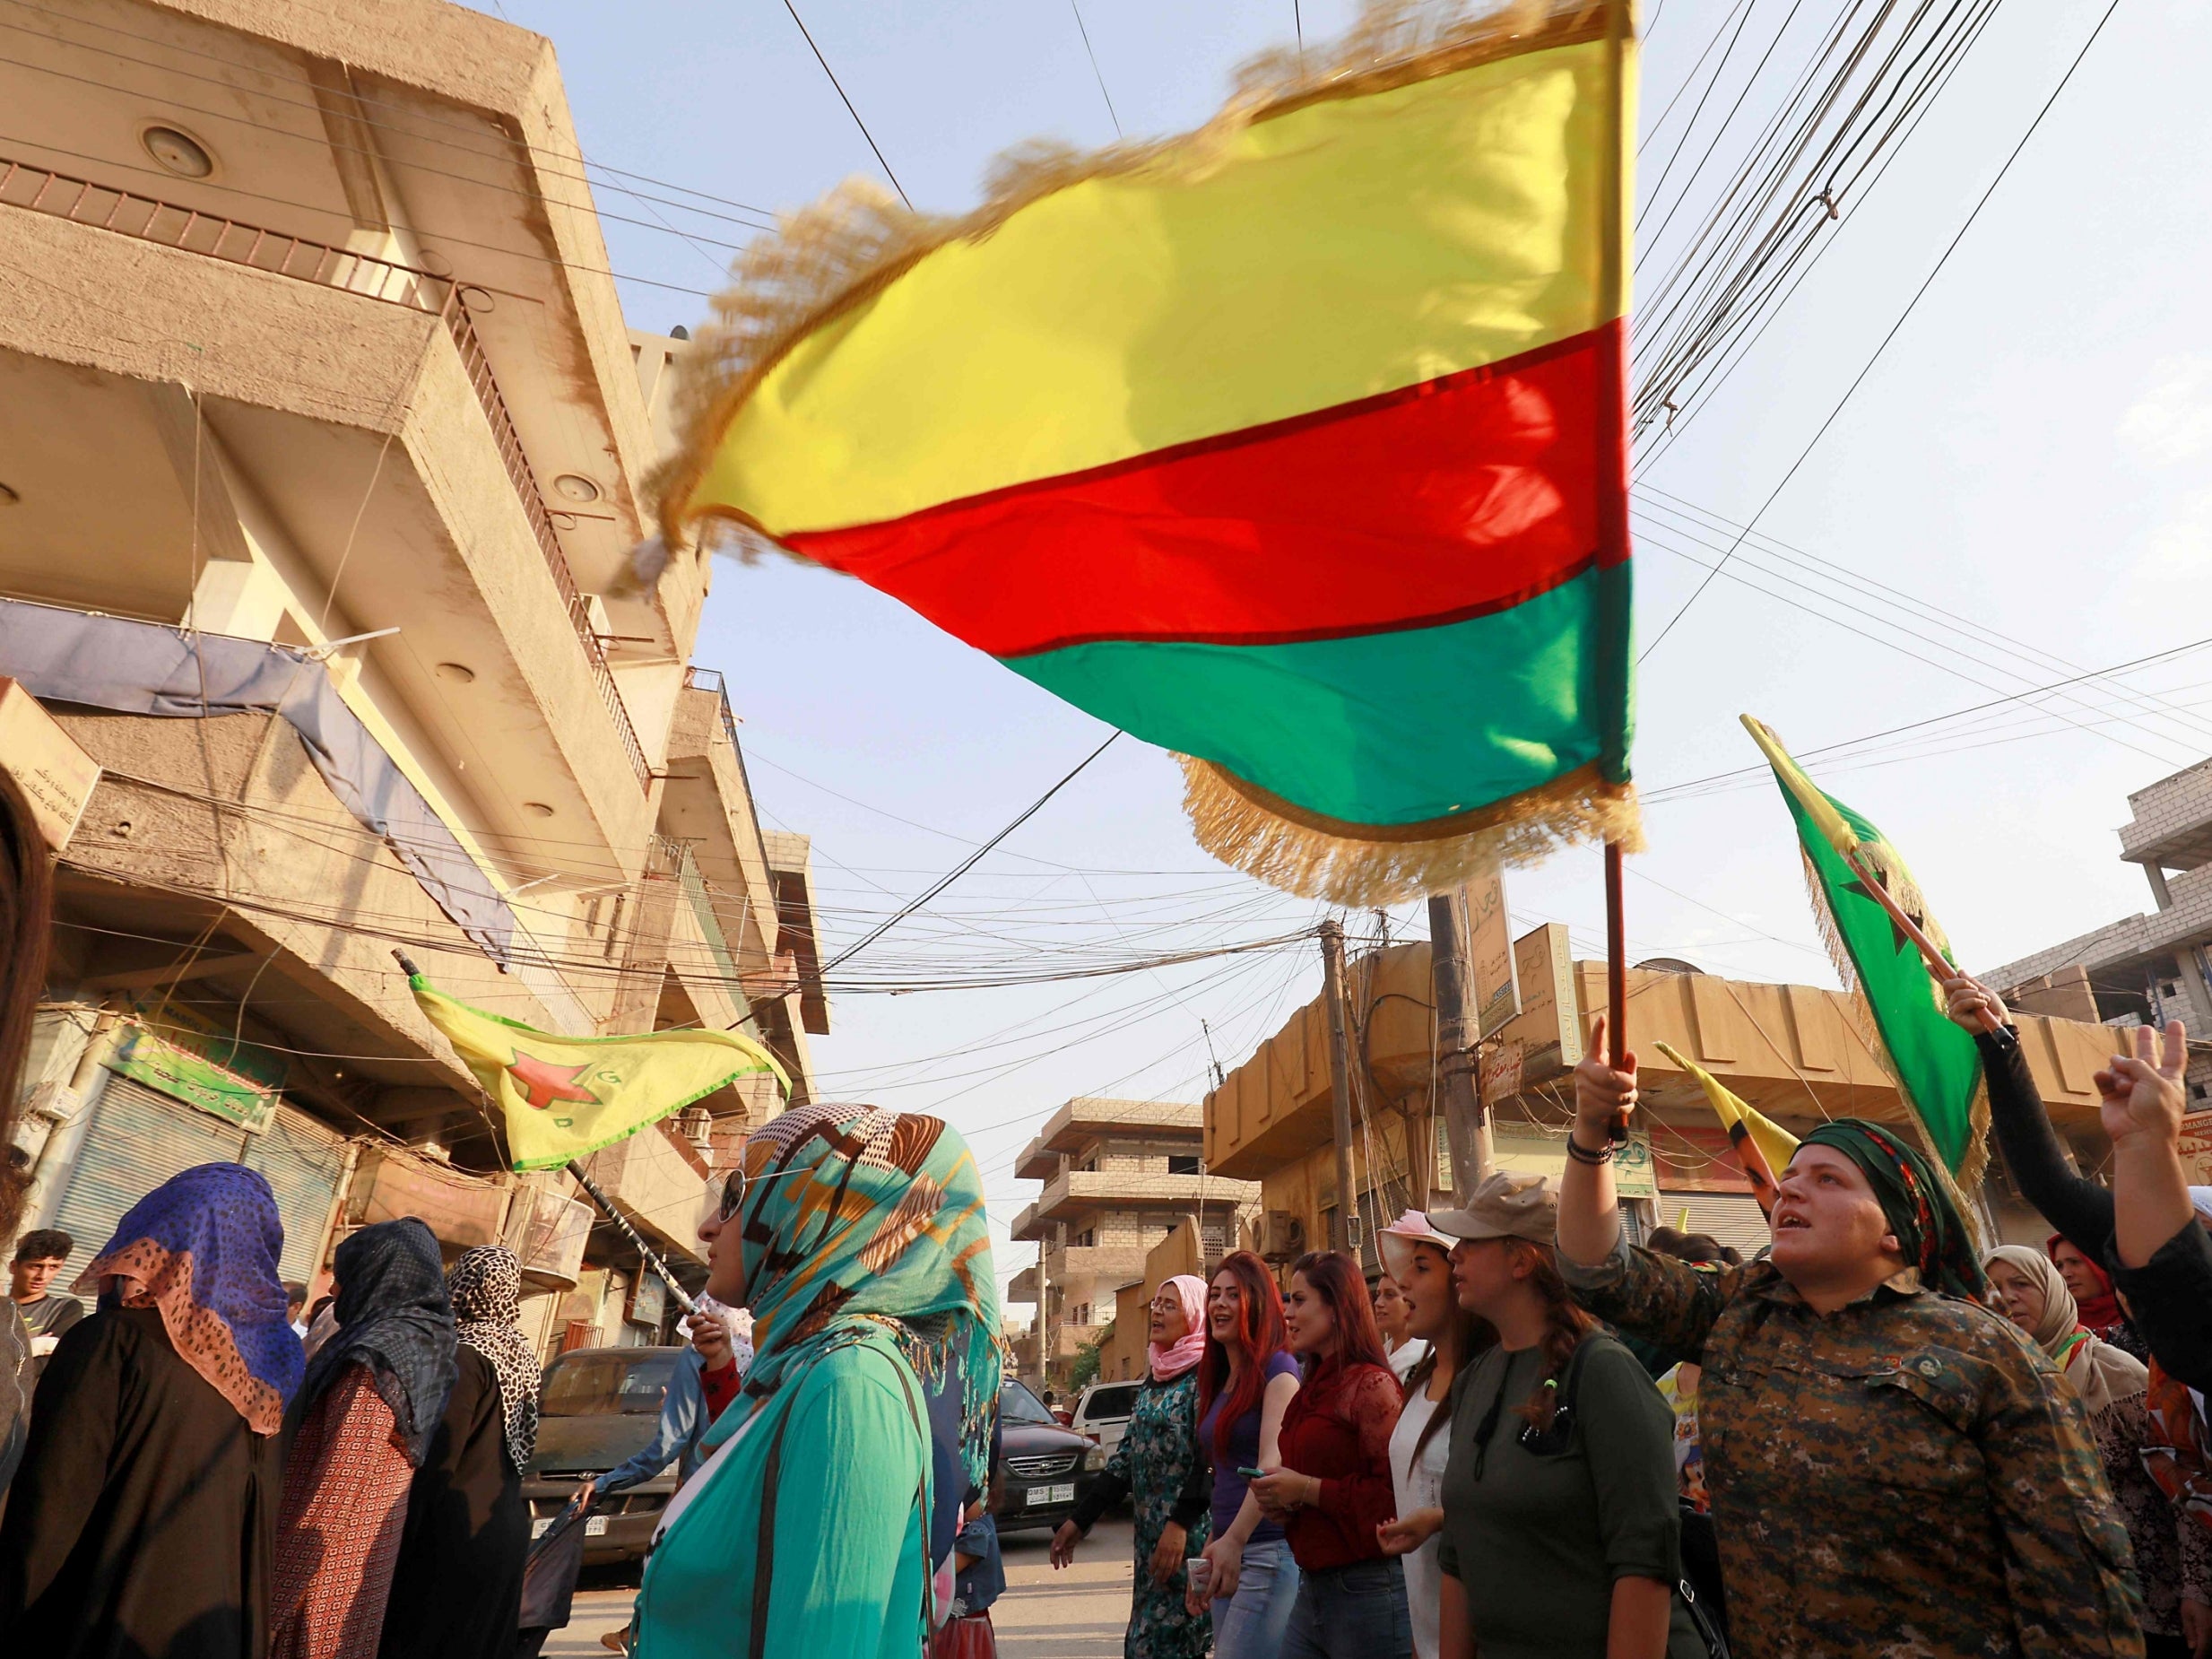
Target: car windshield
{"points": [[605, 1384], [1017, 1404], [1118, 1400]]}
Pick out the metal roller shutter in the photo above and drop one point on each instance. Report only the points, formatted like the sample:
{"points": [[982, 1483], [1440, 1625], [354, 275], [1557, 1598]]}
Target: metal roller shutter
{"points": [[137, 1139], [302, 1161], [1731, 1219], [140, 1137]]}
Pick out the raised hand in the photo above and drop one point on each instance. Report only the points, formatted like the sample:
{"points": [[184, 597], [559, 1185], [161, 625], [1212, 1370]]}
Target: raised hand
{"points": [[1601, 1094], [2141, 1095], [1972, 1004]]}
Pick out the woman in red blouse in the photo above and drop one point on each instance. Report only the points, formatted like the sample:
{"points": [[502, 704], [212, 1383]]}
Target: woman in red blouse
{"points": [[1334, 1489]]}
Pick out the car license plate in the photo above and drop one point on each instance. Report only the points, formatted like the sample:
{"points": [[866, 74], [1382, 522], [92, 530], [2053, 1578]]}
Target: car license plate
{"points": [[596, 1526], [541, 1526], [1040, 1496]]}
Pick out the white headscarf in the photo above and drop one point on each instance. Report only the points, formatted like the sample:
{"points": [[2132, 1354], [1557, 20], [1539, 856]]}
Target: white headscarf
{"points": [[2101, 1374]]}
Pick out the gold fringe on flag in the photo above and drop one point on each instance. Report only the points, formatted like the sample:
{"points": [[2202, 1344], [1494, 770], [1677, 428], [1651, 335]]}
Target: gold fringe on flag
{"points": [[829, 258], [1362, 864]]}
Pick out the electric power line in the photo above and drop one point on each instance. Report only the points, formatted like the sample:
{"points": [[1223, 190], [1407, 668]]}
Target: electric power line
{"points": [[1911, 304], [864, 133]]}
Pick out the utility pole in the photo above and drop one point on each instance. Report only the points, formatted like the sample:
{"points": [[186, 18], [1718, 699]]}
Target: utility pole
{"points": [[1343, 1231], [1467, 1124]]}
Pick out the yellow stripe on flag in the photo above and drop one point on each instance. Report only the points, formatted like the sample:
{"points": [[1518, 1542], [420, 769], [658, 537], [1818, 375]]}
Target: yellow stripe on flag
{"points": [[1356, 243], [1807, 792], [564, 1096], [1772, 1143]]}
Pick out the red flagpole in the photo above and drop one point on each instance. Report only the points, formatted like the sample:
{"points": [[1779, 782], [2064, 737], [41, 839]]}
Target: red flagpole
{"points": [[1615, 979]]}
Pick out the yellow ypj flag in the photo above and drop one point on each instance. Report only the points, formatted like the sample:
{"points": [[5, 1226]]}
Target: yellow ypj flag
{"points": [[1762, 1145], [563, 1097]]}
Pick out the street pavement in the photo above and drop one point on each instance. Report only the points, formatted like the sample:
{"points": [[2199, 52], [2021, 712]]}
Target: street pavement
{"points": [[1080, 1613], [1077, 1614]]}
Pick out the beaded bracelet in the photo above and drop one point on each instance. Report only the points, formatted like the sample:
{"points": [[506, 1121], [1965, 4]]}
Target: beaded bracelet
{"points": [[1582, 1154]]}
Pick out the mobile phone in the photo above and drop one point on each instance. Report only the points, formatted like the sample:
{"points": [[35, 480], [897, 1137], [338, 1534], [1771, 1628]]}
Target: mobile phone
{"points": [[1251, 1475]]}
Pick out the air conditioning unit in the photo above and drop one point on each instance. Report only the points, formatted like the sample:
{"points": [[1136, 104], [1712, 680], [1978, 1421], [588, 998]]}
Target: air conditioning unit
{"points": [[547, 1229], [1282, 1236]]}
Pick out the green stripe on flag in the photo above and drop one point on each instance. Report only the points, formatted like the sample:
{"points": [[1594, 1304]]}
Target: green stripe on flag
{"points": [[1373, 728]]}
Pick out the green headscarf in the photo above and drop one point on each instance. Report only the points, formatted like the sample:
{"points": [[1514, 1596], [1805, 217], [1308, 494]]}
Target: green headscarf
{"points": [[1929, 1231], [863, 1225]]}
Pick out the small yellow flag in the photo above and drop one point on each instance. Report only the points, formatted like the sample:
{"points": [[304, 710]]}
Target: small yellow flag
{"points": [[1762, 1145], [564, 1096]]}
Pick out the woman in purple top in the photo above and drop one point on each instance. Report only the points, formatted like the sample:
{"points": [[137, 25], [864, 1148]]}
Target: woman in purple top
{"points": [[1244, 1380]]}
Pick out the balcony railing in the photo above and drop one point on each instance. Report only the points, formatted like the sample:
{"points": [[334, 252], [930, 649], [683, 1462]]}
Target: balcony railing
{"points": [[147, 219]]}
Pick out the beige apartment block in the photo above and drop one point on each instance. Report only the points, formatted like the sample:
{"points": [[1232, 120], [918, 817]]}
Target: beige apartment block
{"points": [[1799, 1054], [2153, 967], [322, 447], [1119, 1177]]}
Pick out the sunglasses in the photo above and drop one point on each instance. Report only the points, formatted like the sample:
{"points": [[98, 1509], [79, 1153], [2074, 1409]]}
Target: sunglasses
{"points": [[736, 1184], [733, 1186]]}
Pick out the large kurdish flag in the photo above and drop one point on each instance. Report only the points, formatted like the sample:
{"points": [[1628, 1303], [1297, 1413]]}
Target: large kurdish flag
{"points": [[1294, 446]]}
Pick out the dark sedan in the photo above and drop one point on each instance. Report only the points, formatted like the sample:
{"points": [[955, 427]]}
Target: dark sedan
{"points": [[1043, 1470], [599, 1406]]}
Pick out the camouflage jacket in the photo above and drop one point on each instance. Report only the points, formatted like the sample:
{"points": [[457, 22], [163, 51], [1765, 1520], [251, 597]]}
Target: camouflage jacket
{"points": [[1905, 1476]]}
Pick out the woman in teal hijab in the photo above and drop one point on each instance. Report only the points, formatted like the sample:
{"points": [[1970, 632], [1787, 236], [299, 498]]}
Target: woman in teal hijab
{"points": [[858, 1239]]}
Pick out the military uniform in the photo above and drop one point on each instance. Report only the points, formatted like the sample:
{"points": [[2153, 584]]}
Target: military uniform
{"points": [[1905, 1476]]}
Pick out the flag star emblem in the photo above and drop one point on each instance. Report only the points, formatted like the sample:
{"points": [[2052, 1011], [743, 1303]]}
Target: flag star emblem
{"points": [[543, 1084], [1900, 942]]}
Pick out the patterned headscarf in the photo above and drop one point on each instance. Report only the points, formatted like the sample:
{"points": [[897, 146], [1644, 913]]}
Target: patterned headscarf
{"points": [[2103, 1375], [202, 1247], [393, 1317], [484, 1286], [1928, 1227], [859, 1222], [2174, 1445]]}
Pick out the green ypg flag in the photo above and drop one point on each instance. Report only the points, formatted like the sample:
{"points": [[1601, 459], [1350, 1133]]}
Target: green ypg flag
{"points": [[1935, 1063], [565, 1097]]}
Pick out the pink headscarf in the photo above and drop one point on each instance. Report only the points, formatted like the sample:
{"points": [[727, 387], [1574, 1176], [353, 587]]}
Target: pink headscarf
{"points": [[1169, 1363]]}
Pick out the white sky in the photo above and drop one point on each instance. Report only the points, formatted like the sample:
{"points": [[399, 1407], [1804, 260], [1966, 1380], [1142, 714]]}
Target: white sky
{"points": [[2029, 455]]}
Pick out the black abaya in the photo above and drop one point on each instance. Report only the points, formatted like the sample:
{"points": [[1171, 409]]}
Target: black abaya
{"points": [[457, 1588], [142, 1521]]}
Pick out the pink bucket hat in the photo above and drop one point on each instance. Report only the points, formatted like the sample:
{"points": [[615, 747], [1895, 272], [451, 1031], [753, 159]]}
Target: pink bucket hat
{"points": [[1397, 1240]]}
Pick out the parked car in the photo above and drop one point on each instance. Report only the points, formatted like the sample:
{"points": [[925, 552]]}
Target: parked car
{"points": [[1102, 1412], [1043, 1470], [597, 1408]]}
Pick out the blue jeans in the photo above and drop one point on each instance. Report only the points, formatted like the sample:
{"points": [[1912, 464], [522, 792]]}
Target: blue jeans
{"points": [[1250, 1624], [1351, 1612]]}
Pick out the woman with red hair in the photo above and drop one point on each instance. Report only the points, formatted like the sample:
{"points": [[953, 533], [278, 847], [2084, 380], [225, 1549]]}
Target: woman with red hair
{"points": [[1246, 1378], [1334, 1486]]}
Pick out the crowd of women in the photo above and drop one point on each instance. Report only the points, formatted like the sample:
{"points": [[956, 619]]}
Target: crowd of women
{"points": [[198, 1482], [1872, 1439], [1889, 1441]]}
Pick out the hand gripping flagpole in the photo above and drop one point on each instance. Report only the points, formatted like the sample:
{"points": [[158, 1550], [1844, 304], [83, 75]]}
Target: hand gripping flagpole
{"points": [[1615, 981], [622, 1222]]}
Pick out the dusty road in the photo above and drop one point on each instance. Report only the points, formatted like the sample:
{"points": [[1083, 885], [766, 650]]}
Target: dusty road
{"points": [[1077, 1614]]}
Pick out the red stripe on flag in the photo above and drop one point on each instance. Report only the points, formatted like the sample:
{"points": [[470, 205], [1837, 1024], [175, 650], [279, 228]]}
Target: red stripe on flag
{"points": [[1450, 500]]}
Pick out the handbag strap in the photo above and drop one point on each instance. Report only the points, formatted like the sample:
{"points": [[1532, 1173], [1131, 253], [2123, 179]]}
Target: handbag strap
{"points": [[764, 1551], [764, 1548]]}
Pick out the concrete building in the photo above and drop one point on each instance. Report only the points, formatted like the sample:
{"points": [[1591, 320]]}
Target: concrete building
{"points": [[1119, 1177], [322, 441], [1795, 1052], [2146, 967]]}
